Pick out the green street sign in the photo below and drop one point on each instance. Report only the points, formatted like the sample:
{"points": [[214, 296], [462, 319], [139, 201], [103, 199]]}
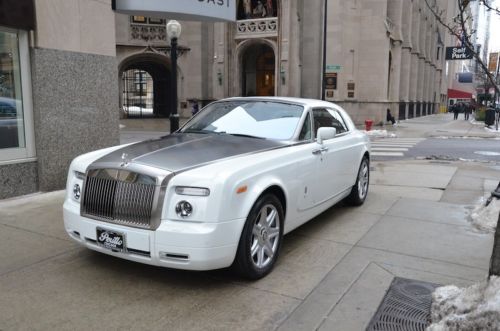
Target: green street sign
{"points": [[333, 67]]}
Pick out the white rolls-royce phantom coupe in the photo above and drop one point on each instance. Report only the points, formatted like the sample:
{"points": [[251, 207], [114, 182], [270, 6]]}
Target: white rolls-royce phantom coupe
{"points": [[222, 190]]}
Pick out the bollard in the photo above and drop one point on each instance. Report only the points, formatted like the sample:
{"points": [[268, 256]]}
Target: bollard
{"points": [[368, 125]]}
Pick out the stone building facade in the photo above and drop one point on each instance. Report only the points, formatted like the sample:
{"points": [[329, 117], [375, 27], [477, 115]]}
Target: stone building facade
{"points": [[375, 55], [79, 67], [58, 89]]}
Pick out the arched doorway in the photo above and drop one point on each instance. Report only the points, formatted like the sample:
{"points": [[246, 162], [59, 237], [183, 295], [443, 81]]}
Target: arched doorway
{"points": [[145, 86], [259, 70]]}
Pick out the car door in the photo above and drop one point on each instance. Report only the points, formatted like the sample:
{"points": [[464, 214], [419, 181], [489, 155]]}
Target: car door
{"points": [[337, 155], [307, 165]]}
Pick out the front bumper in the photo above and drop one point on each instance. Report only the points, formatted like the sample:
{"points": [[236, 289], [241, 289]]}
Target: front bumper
{"points": [[179, 245]]}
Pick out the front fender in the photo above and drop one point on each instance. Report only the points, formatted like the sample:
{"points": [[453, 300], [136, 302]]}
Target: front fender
{"points": [[256, 188]]}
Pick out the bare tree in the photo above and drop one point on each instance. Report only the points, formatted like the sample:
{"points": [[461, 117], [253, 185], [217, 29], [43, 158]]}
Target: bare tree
{"points": [[461, 27], [495, 256]]}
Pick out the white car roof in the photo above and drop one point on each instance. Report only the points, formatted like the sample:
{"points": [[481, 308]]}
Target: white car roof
{"points": [[301, 101]]}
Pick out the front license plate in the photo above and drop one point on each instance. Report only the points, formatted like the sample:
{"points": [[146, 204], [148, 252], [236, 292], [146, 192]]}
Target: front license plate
{"points": [[112, 240]]}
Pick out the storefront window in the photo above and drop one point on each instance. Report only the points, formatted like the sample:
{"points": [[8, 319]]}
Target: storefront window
{"points": [[16, 110], [12, 132]]}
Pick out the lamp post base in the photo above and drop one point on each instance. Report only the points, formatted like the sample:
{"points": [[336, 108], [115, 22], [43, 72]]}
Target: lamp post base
{"points": [[174, 122]]}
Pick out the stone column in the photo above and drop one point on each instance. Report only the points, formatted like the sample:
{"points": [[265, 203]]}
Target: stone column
{"points": [[220, 70], [404, 86], [282, 59], [421, 62], [395, 14], [414, 57], [293, 76], [394, 93]]}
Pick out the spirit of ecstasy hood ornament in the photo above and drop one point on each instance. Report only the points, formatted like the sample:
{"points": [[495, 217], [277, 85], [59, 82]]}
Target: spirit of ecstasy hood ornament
{"points": [[125, 160]]}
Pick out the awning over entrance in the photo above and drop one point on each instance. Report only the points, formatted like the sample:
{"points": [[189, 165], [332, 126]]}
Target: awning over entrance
{"points": [[457, 94]]}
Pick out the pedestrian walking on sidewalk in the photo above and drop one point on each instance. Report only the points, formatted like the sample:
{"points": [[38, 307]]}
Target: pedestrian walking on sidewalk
{"points": [[467, 111], [389, 117], [455, 111]]}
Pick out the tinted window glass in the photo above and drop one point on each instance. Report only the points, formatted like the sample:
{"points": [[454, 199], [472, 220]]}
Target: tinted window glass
{"points": [[328, 118]]}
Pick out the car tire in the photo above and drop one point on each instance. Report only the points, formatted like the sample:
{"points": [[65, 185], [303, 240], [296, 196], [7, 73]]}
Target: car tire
{"points": [[360, 189], [261, 238]]}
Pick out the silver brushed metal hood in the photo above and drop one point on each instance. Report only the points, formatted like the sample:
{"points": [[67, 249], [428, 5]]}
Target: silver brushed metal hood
{"points": [[180, 151]]}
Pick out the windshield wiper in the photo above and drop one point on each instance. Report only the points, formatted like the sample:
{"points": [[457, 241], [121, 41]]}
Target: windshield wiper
{"points": [[197, 131], [241, 135]]}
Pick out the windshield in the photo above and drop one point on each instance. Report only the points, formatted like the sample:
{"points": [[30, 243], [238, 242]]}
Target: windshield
{"points": [[262, 119]]}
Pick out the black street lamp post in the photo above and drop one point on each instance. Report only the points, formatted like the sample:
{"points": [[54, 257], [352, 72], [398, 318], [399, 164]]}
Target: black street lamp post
{"points": [[173, 32]]}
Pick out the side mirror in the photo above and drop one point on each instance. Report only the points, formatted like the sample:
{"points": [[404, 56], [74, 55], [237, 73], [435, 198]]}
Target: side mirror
{"points": [[325, 134]]}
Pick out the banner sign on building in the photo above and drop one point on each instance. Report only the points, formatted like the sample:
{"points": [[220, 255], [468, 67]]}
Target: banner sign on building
{"points": [[187, 10], [458, 53], [493, 64]]}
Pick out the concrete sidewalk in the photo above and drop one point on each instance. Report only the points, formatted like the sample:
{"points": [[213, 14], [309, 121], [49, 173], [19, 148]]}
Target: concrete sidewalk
{"points": [[440, 125], [332, 274]]}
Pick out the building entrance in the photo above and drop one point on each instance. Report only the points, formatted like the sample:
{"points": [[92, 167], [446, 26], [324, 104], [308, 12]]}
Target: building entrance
{"points": [[145, 86], [259, 67]]}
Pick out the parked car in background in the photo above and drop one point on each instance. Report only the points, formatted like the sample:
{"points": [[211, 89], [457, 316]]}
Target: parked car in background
{"points": [[9, 123], [7, 108], [221, 191]]}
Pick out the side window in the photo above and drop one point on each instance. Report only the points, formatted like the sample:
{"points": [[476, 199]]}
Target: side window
{"points": [[339, 122], [305, 133], [328, 118]]}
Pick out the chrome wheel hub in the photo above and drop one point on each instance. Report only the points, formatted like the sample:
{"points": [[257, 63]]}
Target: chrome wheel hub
{"points": [[363, 179], [265, 236]]}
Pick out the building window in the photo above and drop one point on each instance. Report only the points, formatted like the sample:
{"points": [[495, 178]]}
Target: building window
{"points": [[138, 94], [147, 20], [16, 129], [254, 9], [148, 29]]}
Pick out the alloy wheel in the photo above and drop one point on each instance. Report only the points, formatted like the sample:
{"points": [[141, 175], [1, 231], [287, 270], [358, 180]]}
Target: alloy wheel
{"points": [[265, 236]]}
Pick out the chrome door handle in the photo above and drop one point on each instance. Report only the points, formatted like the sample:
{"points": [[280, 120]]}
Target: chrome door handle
{"points": [[320, 151]]}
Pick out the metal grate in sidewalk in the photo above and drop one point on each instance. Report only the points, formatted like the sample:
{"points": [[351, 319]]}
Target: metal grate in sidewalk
{"points": [[405, 307]]}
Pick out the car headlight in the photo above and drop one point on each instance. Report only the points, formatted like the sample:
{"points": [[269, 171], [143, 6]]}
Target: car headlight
{"points": [[184, 209], [192, 191], [77, 192], [79, 175]]}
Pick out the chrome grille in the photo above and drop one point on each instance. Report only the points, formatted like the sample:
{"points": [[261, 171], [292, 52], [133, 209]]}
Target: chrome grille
{"points": [[119, 197]]}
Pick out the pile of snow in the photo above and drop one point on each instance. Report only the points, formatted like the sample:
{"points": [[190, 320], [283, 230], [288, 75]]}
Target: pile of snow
{"points": [[473, 308], [492, 129], [379, 133], [486, 218]]}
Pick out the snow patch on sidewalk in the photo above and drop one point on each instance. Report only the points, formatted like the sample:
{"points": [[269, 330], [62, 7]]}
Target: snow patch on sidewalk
{"points": [[476, 307], [473, 308], [492, 130], [486, 218], [379, 133]]}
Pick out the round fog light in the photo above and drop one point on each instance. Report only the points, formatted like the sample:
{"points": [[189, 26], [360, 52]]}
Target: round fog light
{"points": [[77, 192], [184, 209]]}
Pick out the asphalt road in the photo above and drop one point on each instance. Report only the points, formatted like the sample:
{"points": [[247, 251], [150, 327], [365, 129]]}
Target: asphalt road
{"points": [[470, 149]]}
